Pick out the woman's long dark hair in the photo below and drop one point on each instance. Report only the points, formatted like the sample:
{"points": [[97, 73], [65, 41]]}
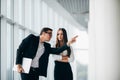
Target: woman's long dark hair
{"points": [[65, 40]]}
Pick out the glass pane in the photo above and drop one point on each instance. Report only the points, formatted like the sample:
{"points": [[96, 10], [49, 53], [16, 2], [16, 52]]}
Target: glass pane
{"points": [[21, 35], [21, 6], [82, 64], [19, 11], [9, 52], [9, 8], [56, 19], [51, 17], [28, 13], [44, 14], [61, 20], [37, 16]]}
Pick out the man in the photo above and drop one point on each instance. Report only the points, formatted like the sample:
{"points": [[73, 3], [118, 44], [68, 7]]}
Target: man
{"points": [[37, 49]]}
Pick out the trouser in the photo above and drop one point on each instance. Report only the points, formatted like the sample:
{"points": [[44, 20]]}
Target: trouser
{"points": [[33, 74], [63, 71]]}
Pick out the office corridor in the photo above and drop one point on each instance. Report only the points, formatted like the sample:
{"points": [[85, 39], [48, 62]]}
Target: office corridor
{"points": [[96, 22]]}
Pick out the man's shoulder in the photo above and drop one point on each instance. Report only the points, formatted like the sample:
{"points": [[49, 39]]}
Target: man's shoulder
{"points": [[31, 36], [47, 44]]}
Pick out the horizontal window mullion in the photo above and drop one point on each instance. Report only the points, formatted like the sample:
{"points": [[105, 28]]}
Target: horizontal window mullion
{"points": [[10, 21]]}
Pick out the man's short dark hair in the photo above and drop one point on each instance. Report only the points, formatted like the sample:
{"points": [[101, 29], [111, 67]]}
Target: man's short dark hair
{"points": [[45, 29]]}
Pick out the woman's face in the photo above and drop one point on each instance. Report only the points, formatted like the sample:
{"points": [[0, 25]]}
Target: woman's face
{"points": [[60, 35]]}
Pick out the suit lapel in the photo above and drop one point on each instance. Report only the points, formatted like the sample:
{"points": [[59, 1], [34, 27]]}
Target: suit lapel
{"points": [[36, 45]]}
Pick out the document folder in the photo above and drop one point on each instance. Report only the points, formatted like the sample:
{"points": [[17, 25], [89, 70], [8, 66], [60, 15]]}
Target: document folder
{"points": [[25, 65]]}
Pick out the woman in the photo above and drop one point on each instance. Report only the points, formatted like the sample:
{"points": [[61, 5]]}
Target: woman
{"points": [[62, 70]]}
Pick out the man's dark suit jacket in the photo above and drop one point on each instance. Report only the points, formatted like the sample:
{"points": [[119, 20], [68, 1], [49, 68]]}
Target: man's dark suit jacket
{"points": [[28, 48]]}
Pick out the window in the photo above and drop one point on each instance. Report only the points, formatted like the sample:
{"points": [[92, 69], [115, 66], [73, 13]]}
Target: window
{"points": [[9, 9], [9, 52], [28, 13], [44, 14]]}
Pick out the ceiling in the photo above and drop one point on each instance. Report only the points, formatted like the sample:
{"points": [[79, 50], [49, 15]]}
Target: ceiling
{"points": [[79, 9]]}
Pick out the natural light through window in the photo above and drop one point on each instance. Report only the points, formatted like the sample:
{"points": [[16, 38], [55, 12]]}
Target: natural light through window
{"points": [[81, 51], [81, 55]]}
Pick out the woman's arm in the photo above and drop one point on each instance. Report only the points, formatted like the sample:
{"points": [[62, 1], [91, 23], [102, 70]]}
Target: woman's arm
{"points": [[64, 58], [71, 58], [66, 46]]}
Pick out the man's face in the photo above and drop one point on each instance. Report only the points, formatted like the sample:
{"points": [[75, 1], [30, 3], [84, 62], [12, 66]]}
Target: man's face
{"points": [[48, 35]]}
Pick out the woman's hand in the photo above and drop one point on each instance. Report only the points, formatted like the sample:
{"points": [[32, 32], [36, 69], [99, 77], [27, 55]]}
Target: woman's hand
{"points": [[72, 40], [64, 59]]}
